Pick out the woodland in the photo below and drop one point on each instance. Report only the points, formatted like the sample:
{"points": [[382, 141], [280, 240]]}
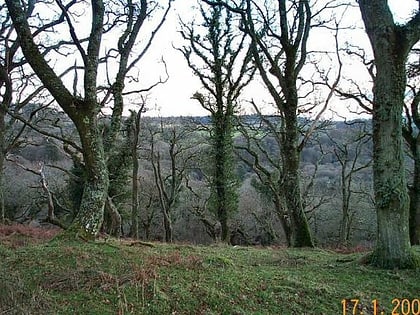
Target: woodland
{"points": [[78, 150]]}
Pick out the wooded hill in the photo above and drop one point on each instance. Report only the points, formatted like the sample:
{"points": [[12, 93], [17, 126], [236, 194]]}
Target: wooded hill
{"points": [[335, 166]]}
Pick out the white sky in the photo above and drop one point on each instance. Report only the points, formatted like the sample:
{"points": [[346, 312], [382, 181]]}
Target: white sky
{"points": [[174, 97]]}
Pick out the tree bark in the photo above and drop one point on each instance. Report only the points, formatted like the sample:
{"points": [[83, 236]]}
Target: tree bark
{"points": [[116, 220], [90, 216], [391, 44], [284, 220], [135, 130], [300, 230], [391, 196], [50, 200], [6, 84], [167, 224], [2, 158], [414, 217], [345, 207], [413, 141], [225, 199]]}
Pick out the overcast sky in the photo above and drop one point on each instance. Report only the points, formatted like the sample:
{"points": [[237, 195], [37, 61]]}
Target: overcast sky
{"points": [[174, 97]]}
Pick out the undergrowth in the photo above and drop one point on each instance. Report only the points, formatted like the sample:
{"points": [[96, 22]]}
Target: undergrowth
{"points": [[124, 277]]}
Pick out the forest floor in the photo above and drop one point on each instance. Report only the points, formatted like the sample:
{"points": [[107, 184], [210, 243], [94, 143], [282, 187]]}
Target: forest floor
{"points": [[43, 276]]}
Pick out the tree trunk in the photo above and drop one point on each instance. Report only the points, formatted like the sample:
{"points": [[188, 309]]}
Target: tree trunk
{"points": [[345, 207], [391, 45], [2, 205], [50, 200], [7, 99], [391, 196], [225, 201], [134, 232], [2, 158], [134, 131], [220, 193], [167, 223], [300, 230], [165, 199], [89, 219], [116, 220], [284, 220], [414, 217]]}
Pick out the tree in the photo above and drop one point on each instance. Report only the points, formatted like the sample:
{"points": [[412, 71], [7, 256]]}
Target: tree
{"points": [[134, 135], [348, 151], [215, 58], [40, 171], [18, 89], [170, 180], [259, 151], [411, 126], [135, 14], [84, 110], [279, 34], [391, 44]]}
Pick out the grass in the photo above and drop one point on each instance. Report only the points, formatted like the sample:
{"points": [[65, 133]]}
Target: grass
{"points": [[122, 277]]}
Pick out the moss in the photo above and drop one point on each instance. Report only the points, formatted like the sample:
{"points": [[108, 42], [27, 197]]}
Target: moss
{"points": [[75, 232], [377, 259]]}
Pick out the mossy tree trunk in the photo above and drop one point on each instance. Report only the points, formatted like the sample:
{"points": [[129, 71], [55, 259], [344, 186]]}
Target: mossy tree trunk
{"points": [[345, 207], [284, 221], [301, 235], [224, 195], [7, 95], [83, 112], [391, 44], [90, 216]]}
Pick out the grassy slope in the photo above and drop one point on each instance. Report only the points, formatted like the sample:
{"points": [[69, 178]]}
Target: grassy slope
{"points": [[115, 278]]}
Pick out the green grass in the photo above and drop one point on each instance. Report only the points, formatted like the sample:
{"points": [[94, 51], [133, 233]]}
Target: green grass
{"points": [[115, 278]]}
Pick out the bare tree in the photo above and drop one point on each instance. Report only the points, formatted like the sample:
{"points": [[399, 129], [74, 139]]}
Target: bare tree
{"points": [[348, 151], [84, 110], [135, 126], [259, 151], [40, 172], [279, 33], [391, 44], [170, 180], [217, 57], [18, 89]]}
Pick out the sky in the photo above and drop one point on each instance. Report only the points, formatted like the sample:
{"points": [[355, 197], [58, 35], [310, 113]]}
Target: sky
{"points": [[174, 97]]}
